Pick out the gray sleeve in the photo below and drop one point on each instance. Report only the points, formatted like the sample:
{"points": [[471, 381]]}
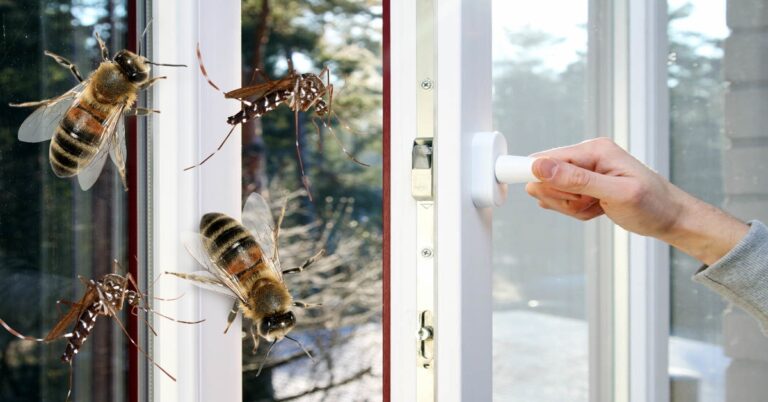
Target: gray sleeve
{"points": [[741, 276]]}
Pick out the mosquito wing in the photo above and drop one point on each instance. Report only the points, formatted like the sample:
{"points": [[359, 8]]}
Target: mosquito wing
{"points": [[259, 90], [91, 170], [41, 124], [74, 312], [195, 246]]}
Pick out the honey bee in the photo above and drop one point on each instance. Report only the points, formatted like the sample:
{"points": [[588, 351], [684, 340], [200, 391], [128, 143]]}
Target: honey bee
{"points": [[242, 261], [105, 297], [86, 122], [299, 92]]}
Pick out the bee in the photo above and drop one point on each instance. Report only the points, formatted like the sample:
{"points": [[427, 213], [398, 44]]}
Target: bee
{"points": [[86, 123], [242, 261], [103, 297], [300, 92]]}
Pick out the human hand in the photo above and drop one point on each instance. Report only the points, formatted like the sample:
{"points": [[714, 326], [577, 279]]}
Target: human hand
{"points": [[598, 177]]}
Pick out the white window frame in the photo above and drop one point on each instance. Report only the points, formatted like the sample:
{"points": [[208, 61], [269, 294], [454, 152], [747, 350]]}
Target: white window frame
{"points": [[206, 362], [628, 291], [463, 242]]}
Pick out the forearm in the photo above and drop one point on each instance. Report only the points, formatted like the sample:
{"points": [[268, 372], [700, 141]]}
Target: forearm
{"points": [[702, 230]]}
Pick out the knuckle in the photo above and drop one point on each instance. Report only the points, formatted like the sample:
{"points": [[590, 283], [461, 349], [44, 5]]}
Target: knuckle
{"points": [[577, 179]]}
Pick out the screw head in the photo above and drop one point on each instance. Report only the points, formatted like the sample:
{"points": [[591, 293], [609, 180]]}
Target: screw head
{"points": [[426, 84], [426, 253]]}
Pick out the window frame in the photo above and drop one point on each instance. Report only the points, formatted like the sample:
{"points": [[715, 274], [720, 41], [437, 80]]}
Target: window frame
{"points": [[206, 362]]}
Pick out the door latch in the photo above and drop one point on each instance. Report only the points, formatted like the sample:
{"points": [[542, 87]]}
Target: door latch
{"points": [[421, 169], [426, 337]]}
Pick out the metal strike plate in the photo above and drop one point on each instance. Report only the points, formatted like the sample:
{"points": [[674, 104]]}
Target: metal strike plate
{"points": [[426, 337], [421, 169]]}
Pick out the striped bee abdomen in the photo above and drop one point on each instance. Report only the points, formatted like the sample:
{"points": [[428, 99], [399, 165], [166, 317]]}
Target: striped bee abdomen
{"points": [[82, 329], [229, 244], [77, 138]]}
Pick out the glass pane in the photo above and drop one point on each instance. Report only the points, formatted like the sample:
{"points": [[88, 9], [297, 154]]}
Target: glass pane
{"points": [[344, 214], [717, 97], [51, 231], [539, 320]]}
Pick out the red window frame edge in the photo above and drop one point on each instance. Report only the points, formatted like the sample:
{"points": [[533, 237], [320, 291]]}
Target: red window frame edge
{"points": [[133, 215], [386, 291]]}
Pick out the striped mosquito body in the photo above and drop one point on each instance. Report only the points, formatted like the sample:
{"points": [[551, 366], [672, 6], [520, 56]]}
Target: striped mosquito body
{"points": [[299, 92], [113, 295], [105, 297]]}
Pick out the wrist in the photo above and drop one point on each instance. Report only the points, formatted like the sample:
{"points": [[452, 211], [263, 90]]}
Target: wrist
{"points": [[701, 230]]}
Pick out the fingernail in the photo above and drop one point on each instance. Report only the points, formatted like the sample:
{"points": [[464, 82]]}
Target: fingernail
{"points": [[544, 168]]}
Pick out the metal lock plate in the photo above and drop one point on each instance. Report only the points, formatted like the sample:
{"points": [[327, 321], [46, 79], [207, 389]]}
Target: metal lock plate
{"points": [[421, 169]]}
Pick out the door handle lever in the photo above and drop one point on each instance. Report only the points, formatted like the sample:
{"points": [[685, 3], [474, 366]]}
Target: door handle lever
{"points": [[493, 169]]}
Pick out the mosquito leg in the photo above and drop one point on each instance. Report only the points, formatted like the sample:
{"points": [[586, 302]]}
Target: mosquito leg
{"points": [[150, 310], [66, 63], [113, 314], [18, 334], [343, 148], [135, 313], [103, 47], [304, 178], [306, 263], [262, 74], [202, 70], [214, 152], [232, 315]]}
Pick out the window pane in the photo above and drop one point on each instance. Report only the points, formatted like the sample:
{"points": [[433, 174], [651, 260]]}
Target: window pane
{"points": [[539, 320], [344, 214], [50, 230], [717, 92]]}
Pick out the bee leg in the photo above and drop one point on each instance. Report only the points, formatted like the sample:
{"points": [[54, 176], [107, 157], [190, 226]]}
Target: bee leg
{"points": [[255, 338], [306, 305], [102, 46], [232, 315], [66, 63], [306, 263], [151, 82], [140, 111]]}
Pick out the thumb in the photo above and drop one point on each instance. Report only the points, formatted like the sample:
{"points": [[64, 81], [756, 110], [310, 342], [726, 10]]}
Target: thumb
{"points": [[573, 179]]}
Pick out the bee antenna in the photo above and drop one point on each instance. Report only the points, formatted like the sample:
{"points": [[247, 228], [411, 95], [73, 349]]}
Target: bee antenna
{"points": [[302, 348], [166, 65], [261, 366], [144, 35]]}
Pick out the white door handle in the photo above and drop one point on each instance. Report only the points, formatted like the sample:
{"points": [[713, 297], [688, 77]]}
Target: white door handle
{"points": [[493, 169]]}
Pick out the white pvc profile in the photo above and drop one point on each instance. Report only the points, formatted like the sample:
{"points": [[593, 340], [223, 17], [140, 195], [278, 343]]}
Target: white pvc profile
{"points": [[206, 362], [463, 232], [403, 250], [648, 258]]}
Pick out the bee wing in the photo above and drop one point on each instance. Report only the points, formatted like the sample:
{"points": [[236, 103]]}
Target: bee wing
{"points": [[90, 172], [206, 280], [258, 219], [118, 151], [194, 245], [41, 124]]}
